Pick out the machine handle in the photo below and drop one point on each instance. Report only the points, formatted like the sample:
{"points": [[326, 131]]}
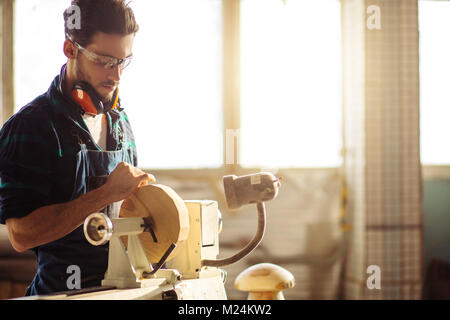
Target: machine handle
{"points": [[163, 259]]}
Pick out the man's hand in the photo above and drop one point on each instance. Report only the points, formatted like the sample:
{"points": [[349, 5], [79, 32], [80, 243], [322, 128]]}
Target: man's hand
{"points": [[125, 180]]}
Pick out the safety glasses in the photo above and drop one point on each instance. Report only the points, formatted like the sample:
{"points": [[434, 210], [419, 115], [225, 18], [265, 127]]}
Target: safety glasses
{"points": [[104, 61]]}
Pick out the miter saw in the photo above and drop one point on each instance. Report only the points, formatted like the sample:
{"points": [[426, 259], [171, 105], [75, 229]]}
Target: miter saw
{"points": [[162, 247]]}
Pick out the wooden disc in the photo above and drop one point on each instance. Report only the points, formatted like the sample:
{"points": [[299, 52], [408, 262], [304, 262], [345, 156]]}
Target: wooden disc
{"points": [[163, 208]]}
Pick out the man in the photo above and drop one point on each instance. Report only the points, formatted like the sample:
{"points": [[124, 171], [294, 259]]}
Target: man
{"points": [[71, 152]]}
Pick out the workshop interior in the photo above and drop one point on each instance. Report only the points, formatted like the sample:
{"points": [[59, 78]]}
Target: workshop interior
{"points": [[300, 149]]}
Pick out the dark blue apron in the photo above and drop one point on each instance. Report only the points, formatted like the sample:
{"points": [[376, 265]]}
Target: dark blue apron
{"points": [[56, 259]]}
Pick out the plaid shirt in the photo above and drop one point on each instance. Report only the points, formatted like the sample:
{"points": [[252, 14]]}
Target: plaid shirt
{"points": [[38, 148]]}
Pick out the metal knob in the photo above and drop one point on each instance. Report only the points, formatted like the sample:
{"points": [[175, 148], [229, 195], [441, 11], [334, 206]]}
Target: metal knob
{"points": [[98, 229]]}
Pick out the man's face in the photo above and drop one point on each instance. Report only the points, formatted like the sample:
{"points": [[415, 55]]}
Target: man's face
{"points": [[104, 81]]}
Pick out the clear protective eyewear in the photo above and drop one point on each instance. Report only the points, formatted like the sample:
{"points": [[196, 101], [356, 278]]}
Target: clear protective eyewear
{"points": [[104, 61]]}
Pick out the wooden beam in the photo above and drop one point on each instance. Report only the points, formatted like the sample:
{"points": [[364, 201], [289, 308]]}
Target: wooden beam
{"points": [[231, 82], [7, 60]]}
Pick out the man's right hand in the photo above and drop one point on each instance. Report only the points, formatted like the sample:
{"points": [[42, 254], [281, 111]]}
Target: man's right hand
{"points": [[125, 180]]}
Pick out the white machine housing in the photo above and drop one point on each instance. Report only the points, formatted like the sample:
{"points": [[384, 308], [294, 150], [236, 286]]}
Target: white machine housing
{"points": [[183, 275], [205, 224]]}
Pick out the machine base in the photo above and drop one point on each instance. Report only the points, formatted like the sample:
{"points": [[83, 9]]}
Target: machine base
{"points": [[211, 288]]}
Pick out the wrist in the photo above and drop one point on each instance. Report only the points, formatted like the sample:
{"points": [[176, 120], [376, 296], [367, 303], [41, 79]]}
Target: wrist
{"points": [[105, 195], [96, 200]]}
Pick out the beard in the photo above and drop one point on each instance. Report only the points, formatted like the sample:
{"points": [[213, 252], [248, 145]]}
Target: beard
{"points": [[82, 76]]}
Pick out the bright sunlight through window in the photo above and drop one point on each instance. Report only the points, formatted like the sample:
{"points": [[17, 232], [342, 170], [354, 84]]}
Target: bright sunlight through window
{"points": [[434, 26], [291, 83], [174, 85]]}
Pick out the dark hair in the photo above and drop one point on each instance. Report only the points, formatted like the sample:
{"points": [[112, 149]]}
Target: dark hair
{"points": [[108, 16]]}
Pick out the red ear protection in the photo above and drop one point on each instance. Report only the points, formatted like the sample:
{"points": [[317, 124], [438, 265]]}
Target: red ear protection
{"points": [[90, 101]]}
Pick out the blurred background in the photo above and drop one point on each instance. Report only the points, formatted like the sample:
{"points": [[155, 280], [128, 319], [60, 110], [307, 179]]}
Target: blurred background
{"points": [[347, 101]]}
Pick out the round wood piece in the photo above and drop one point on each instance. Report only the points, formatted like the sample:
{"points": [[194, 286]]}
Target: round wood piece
{"points": [[264, 277], [163, 209]]}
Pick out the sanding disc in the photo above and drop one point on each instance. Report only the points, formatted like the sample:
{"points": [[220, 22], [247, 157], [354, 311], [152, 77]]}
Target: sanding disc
{"points": [[163, 209]]}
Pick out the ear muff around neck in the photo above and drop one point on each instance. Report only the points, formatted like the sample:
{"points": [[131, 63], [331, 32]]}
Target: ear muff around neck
{"points": [[90, 101]]}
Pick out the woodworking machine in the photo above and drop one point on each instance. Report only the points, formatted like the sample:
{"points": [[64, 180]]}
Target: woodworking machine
{"points": [[162, 247]]}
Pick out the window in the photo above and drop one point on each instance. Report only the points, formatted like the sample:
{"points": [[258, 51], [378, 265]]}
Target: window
{"points": [[174, 85], [434, 25], [290, 67], [171, 91], [291, 83], [38, 47]]}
